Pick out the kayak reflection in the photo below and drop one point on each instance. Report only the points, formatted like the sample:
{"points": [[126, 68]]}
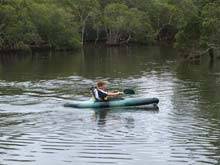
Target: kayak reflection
{"points": [[101, 114]]}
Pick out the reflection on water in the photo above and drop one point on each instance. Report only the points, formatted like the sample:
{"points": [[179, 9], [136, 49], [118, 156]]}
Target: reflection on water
{"points": [[37, 129]]}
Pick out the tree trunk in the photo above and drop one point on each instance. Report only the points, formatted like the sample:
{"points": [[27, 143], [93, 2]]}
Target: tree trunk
{"points": [[97, 35], [126, 40], [117, 38], [170, 19], [166, 34], [82, 35], [112, 39], [83, 23]]}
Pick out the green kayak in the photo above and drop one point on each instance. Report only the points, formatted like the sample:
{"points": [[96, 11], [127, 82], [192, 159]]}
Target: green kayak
{"points": [[123, 102]]}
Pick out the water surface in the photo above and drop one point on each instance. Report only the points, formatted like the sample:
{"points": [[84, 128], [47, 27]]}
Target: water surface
{"points": [[35, 128]]}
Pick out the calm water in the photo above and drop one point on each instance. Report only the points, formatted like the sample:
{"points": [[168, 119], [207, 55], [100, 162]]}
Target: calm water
{"points": [[35, 128]]}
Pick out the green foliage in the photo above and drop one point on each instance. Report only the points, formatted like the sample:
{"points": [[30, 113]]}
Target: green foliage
{"points": [[62, 24], [82, 11], [211, 24], [54, 26], [119, 17], [115, 16], [17, 30], [24, 24], [200, 25]]}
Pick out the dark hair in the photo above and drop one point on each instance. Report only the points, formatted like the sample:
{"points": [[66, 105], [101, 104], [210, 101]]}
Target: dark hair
{"points": [[100, 84]]}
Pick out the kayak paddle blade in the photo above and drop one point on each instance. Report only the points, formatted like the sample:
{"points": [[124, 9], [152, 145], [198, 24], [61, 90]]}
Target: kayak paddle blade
{"points": [[129, 91]]}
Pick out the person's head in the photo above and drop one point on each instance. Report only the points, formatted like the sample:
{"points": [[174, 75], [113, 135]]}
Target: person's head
{"points": [[102, 85]]}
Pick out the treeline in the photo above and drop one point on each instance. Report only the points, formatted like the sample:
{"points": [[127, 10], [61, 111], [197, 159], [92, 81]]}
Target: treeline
{"points": [[68, 24]]}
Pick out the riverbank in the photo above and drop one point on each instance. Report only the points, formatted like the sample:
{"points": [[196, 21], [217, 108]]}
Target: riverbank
{"points": [[30, 49], [48, 48]]}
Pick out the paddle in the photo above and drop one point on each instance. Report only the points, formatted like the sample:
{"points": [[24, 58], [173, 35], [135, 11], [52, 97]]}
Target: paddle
{"points": [[129, 92], [126, 91]]}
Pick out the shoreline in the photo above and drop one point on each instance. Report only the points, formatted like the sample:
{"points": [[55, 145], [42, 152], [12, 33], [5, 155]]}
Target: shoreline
{"points": [[87, 44]]}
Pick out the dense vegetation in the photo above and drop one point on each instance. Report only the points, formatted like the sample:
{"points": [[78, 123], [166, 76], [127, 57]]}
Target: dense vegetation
{"points": [[67, 24]]}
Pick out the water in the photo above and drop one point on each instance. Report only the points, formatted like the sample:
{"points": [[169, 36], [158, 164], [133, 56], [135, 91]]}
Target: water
{"points": [[35, 128]]}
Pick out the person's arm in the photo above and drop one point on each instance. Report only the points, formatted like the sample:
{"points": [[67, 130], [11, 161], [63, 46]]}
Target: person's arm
{"points": [[114, 93]]}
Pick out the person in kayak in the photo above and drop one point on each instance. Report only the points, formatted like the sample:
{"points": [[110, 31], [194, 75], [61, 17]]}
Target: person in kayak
{"points": [[100, 92]]}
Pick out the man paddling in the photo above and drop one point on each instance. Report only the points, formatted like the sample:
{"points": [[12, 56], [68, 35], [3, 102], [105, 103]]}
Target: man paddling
{"points": [[100, 92]]}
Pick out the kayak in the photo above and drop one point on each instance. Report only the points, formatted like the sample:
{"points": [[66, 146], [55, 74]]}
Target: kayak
{"points": [[122, 102]]}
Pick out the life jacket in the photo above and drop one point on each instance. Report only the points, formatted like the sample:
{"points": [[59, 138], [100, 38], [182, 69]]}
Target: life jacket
{"points": [[92, 89], [95, 94]]}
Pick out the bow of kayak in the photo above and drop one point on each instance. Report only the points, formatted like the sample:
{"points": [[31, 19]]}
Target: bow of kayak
{"points": [[125, 102]]}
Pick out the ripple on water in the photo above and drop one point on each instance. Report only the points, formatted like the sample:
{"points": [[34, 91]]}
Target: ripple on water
{"points": [[35, 128]]}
